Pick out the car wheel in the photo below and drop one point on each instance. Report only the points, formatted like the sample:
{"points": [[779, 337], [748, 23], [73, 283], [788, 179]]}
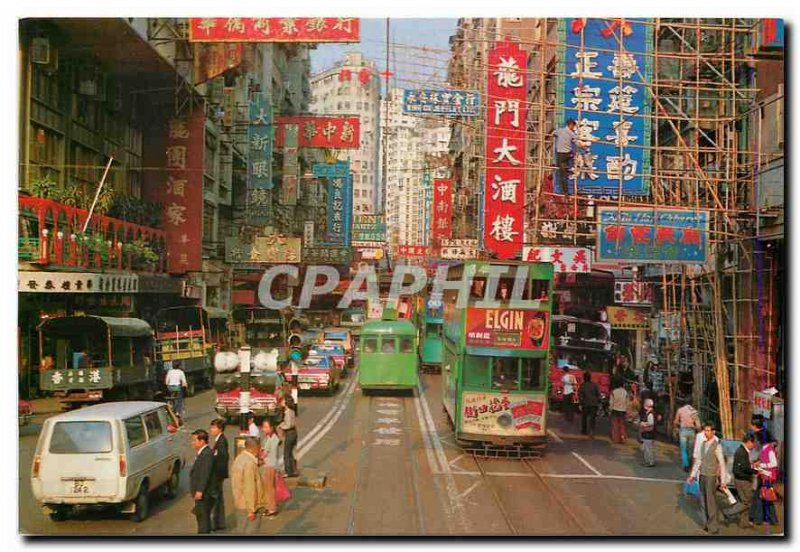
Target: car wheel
{"points": [[171, 487], [142, 505], [59, 513]]}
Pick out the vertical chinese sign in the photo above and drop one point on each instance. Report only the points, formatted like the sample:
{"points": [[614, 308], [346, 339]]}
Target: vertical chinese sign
{"points": [[340, 200], [291, 169], [607, 70], [504, 191], [442, 219], [179, 188], [259, 163]]}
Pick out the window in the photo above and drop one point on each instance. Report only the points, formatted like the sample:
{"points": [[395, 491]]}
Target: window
{"points": [[406, 344], [135, 430], [121, 351], [532, 372], [80, 438], [153, 425], [505, 373], [388, 345], [476, 371], [433, 330], [370, 344]]}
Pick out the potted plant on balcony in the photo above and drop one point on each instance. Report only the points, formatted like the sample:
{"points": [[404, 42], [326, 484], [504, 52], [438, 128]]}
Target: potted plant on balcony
{"points": [[43, 187]]}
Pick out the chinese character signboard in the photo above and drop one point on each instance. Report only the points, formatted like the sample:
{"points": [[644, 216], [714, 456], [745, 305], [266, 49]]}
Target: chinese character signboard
{"points": [[340, 200], [442, 219], [652, 236], [273, 29], [291, 169], [269, 249], [179, 187], [622, 318], [308, 233], [465, 103], [509, 414], [504, 191], [259, 139], [564, 259], [369, 228], [412, 251], [328, 254], [607, 70], [76, 282], [508, 329], [633, 293], [322, 131], [762, 404], [461, 249], [211, 60]]}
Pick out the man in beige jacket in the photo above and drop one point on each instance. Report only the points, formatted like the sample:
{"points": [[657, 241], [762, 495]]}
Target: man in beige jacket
{"points": [[248, 488]]}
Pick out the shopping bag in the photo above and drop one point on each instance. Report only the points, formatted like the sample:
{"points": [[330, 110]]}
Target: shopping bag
{"points": [[769, 494], [691, 489], [282, 492], [729, 496]]}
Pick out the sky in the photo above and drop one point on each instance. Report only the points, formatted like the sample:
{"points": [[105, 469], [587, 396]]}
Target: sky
{"points": [[413, 66]]}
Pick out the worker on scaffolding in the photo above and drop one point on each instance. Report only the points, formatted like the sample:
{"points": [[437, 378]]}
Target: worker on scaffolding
{"points": [[567, 146]]}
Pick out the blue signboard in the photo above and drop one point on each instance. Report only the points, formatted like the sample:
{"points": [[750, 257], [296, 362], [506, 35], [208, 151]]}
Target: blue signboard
{"points": [[607, 72], [330, 170], [340, 199], [652, 235], [463, 103]]}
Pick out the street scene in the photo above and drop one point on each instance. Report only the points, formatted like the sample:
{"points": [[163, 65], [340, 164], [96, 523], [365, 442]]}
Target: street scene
{"points": [[342, 276]]}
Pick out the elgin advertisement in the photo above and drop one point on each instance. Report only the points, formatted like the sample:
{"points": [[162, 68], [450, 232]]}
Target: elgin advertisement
{"points": [[508, 329], [513, 414]]}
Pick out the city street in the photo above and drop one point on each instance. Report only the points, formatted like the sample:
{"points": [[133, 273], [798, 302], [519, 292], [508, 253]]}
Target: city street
{"points": [[393, 469]]}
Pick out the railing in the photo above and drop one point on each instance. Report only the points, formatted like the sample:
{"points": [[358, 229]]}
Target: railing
{"points": [[57, 239]]}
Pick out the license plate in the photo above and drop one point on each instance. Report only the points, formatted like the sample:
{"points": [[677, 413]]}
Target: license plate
{"points": [[305, 386], [79, 487]]}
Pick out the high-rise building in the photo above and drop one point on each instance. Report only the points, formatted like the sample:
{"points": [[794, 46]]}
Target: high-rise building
{"points": [[352, 87]]}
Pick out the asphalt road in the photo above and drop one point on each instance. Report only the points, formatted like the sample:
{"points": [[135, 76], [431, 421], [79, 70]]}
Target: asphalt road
{"points": [[393, 468]]}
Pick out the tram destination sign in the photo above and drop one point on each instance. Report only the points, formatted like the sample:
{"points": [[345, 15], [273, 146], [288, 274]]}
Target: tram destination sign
{"points": [[508, 329]]}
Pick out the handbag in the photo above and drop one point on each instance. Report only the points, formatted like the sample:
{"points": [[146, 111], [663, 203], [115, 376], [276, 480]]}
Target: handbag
{"points": [[768, 494], [691, 489], [282, 492]]}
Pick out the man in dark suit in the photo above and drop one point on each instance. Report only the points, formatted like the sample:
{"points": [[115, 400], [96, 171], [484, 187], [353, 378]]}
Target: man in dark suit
{"points": [[219, 447], [589, 395], [201, 480], [743, 474]]}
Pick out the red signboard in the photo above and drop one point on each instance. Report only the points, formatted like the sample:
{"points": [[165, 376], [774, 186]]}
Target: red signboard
{"points": [[211, 60], [322, 132], [504, 194], [179, 188], [508, 329], [273, 29], [442, 219], [412, 251]]}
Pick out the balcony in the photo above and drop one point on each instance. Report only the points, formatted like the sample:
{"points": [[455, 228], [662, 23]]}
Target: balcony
{"points": [[51, 236]]}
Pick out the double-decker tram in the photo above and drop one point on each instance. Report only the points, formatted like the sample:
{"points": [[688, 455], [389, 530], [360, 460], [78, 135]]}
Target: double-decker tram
{"points": [[495, 359], [430, 323]]}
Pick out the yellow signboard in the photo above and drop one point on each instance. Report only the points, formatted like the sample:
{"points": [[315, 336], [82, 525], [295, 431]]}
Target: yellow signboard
{"points": [[623, 318]]}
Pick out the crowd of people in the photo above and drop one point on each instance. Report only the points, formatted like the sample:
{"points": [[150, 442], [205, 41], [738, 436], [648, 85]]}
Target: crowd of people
{"points": [[257, 474]]}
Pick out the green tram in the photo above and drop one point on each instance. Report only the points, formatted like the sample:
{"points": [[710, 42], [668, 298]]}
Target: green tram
{"points": [[387, 356], [495, 361], [430, 321]]}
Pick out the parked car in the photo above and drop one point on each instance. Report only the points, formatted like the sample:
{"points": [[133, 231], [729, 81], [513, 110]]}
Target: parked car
{"points": [[109, 454]]}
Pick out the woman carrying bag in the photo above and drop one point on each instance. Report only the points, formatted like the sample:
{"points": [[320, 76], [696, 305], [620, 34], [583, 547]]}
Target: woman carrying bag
{"points": [[763, 508]]}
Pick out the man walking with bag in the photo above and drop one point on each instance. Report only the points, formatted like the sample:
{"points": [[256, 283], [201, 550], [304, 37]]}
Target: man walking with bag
{"points": [[687, 422], [709, 467], [743, 474], [248, 488]]}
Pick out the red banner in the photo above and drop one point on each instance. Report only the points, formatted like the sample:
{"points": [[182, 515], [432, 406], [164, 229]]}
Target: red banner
{"points": [[504, 194], [322, 132], [508, 329], [442, 219], [273, 29], [179, 188], [412, 251], [211, 60]]}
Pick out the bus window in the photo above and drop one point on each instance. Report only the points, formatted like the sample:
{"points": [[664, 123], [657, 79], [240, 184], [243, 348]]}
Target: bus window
{"points": [[476, 371], [505, 373], [406, 344], [370, 344], [532, 370], [388, 345]]}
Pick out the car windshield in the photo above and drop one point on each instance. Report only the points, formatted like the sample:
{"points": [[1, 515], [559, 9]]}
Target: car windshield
{"points": [[318, 361], [81, 438], [335, 336]]}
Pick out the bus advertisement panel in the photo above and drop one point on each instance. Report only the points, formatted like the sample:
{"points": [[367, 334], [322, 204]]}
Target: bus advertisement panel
{"points": [[512, 414], [508, 328]]}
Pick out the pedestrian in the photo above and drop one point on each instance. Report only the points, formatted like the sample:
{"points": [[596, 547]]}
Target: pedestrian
{"points": [[569, 384], [709, 467], [201, 480], [743, 478], [763, 508], [647, 433], [288, 430], [269, 459], [247, 486], [565, 143], [219, 447], [252, 428], [175, 381], [759, 428], [618, 404], [687, 424], [589, 394]]}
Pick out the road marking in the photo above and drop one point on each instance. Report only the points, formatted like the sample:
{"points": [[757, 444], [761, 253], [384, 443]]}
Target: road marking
{"points": [[585, 463], [566, 476], [389, 421], [334, 417], [342, 398], [388, 430], [388, 412], [469, 490], [456, 459], [555, 436], [390, 442]]}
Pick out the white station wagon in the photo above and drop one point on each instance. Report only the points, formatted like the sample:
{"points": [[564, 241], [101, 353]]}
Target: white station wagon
{"points": [[112, 453]]}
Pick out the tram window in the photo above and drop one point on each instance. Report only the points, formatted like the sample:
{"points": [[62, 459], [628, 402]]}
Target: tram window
{"points": [[388, 345], [406, 345], [540, 289], [505, 373], [504, 289], [476, 371], [433, 330], [370, 344], [478, 288], [532, 371]]}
